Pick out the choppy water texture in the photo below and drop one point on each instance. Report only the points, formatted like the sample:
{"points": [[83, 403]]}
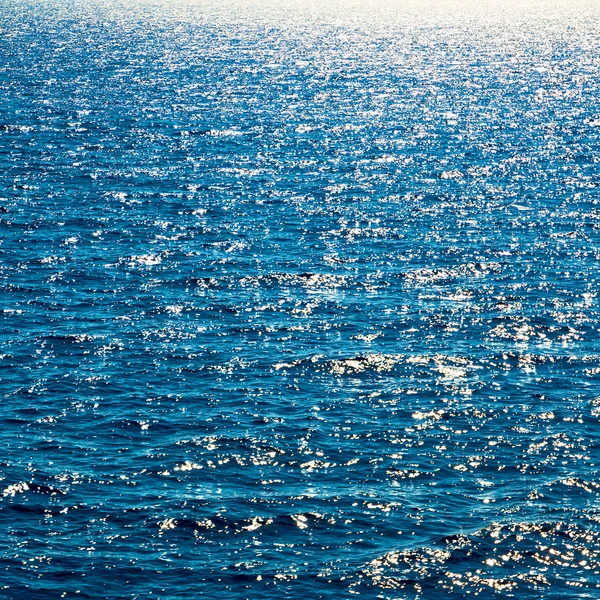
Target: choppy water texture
{"points": [[299, 302]]}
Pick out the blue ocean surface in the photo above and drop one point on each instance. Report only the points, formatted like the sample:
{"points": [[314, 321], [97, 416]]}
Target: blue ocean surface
{"points": [[299, 300]]}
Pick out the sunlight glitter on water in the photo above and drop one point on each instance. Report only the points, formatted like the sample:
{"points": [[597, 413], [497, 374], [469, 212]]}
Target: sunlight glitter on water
{"points": [[299, 299]]}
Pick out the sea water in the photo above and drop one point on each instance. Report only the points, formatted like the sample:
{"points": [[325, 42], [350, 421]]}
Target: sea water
{"points": [[299, 301]]}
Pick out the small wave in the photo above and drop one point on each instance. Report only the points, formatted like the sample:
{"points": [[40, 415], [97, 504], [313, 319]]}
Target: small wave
{"points": [[27, 486], [497, 558]]}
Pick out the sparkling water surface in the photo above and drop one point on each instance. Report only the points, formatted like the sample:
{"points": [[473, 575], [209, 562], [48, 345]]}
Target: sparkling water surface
{"points": [[299, 301]]}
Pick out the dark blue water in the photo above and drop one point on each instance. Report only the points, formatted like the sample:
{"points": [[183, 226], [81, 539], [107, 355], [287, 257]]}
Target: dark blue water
{"points": [[299, 302]]}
